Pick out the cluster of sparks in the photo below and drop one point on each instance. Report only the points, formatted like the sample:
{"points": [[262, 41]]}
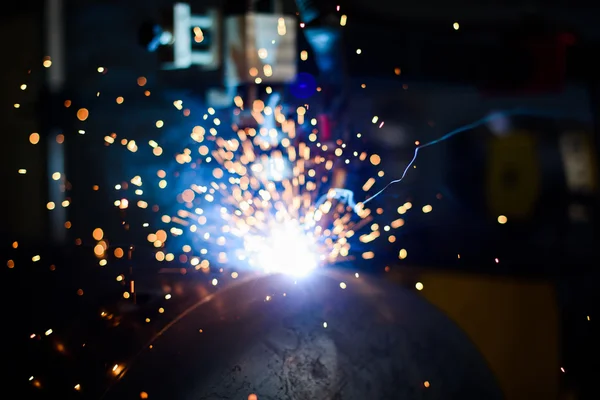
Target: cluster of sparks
{"points": [[265, 197], [268, 199], [258, 207]]}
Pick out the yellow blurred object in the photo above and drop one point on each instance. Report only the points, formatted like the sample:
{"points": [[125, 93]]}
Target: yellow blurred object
{"points": [[513, 175], [514, 323]]}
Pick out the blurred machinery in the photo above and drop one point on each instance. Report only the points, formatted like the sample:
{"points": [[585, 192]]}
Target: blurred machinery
{"points": [[251, 46], [183, 39], [246, 46], [255, 52]]}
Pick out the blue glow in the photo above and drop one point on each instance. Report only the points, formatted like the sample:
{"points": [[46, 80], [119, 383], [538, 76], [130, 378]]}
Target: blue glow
{"points": [[304, 86], [500, 115]]}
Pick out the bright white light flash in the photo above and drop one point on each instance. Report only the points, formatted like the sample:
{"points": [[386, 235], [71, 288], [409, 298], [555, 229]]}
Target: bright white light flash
{"points": [[276, 170], [288, 249]]}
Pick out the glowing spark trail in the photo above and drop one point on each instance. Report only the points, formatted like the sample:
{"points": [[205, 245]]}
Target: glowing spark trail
{"points": [[472, 125]]}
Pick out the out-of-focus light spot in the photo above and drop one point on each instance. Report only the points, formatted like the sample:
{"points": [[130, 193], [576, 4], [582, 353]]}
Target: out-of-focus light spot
{"points": [[397, 71], [159, 124], [267, 70], [304, 55], [456, 26], [419, 286], [141, 81], [198, 35], [214, 282], [281, 29], [426, 384], [427, 208], [324, 324], [502, 219], [119, 253], [98, 234], [143, 395], [368, 255], [83, 114], [342, 285], [117, 369], [99, 250], [34, 138], [343, 20], [402, 254], [358, 51]]}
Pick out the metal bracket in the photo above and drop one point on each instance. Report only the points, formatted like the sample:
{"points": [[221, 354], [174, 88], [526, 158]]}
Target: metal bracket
{"points": [[184, 56]]}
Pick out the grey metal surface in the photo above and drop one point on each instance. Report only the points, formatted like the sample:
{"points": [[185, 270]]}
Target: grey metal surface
{"points": [[379, 342]]}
